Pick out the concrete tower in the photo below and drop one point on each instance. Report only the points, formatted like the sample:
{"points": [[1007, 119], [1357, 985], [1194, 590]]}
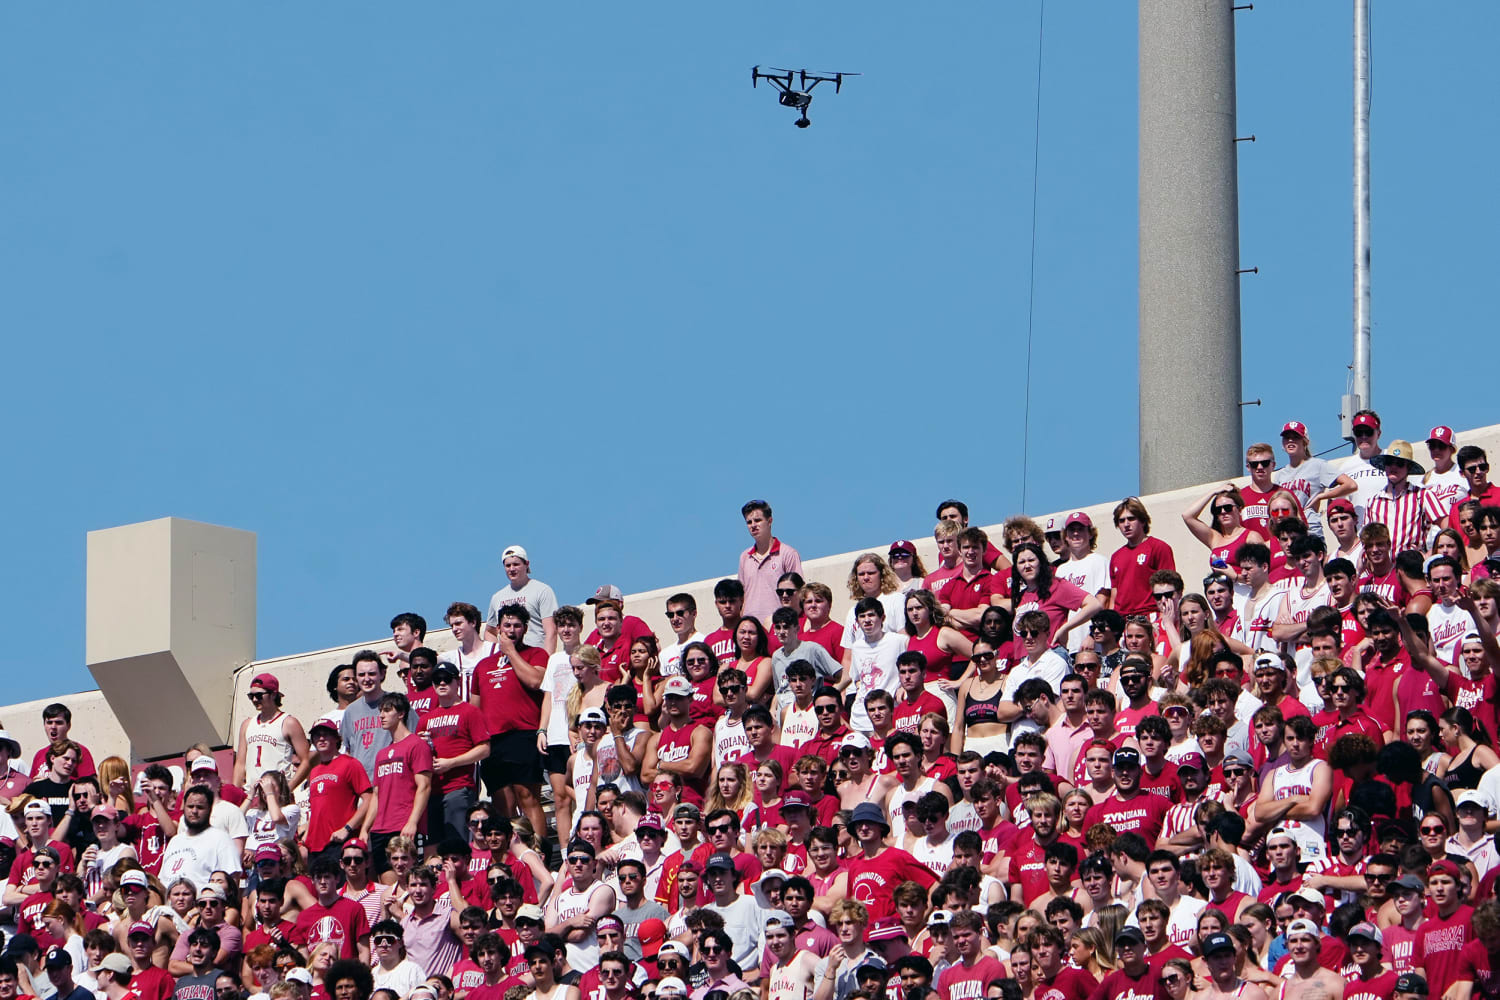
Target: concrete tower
{"points": [[1189, 245]]}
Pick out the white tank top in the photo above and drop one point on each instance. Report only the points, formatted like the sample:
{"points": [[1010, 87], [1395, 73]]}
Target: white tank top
{"points": [[786, 985], [1310, 834], [267, 749], [799, 726], [571, 903]]}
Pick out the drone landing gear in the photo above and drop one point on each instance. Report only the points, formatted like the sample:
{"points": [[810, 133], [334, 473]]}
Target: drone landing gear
{"points": [[804, 121]]}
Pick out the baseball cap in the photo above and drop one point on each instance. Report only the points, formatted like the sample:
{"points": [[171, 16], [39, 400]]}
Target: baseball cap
{"points": [[299, 975], [1269, 661], [1311, 897], [517, 551], [679, 686], [21, 944], [1410, 883], [212, 891], [1130, 933], [1078, 517], [47, 851], [141, 927], [857, 741], [1441, 434], [1239, 757], [1054, 525], [269, 852], [1216, 943], [113, 962], [1194, 760], [595, 715], [1367, 420], [1366, 930], [903, 546], [136, 878], [795, 800], [1280, 831], [1473, 797], [530, 911], [687, 809], [444, 670], [265, 682], [106, 810], [721, 860], [1410, 982], [650, 934], [1443, 867], [203, 763], [11, 743], [885, 929], [328, 724], [57, 958], [1126, 757], [939, 918], [674, 948], [36, 806], [608, 592], [671, 986], [652, 821], [1296, 427], [780, 918], [1303, 927], [1340, 505]]}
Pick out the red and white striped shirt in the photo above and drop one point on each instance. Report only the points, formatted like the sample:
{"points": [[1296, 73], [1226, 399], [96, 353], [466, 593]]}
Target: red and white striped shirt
{"points": [[1405, 515]]}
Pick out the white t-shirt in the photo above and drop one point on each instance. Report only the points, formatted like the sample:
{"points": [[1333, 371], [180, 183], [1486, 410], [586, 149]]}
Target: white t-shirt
{"points": [[1304, 482], [729, 739], [1090, 575], [227, 817], [559, 682], [895, 617], [1050, 667], [1369, 481], [871, 667], [1448, 625], [540, 601], [401, 980], [670, 660], [465, 664], [1446, 488], [263, 831], [743, 922], [196, 857]]}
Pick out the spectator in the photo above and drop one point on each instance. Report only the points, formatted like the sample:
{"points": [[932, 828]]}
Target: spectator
{"points": [[199, 849], [360, 730], [1401, 505], [1131, 566], [339, 792], [402, 780], [557, 685], [460, 741], [508, 690], [57, 723], [764, 562], [538, 599], [200, 983], [472, 649], [270, 740], [614, 631]]}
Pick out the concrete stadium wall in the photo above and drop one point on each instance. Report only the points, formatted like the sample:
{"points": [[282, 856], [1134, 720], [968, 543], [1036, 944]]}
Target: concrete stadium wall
{"points": [[303, 675]]}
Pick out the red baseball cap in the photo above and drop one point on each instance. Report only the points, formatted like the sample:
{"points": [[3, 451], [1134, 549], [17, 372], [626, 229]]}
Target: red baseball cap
{"points": [[1441, 434], [1078, 517], [266, 683], [1367, 420], [1340, 504], [1296, 427], [902, 545], [1443, 867]]}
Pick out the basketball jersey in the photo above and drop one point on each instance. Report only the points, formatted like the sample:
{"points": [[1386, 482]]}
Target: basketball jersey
{"points": [[267, 749]]}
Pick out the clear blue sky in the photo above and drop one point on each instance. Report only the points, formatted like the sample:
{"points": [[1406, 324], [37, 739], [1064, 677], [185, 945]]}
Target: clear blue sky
{"points": [[394, 286]]}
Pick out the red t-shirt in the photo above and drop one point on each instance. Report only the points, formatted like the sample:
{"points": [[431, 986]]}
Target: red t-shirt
{"points": [[396, 770], [1382, 987], [452, 731], [1475, 965], [29, 919], [1477, 696], [333, 790], [967, 982], [343, 923], [86, 767], [1062, 600], [1068, 984], [617, 658], [908, 714], [1130, 572], [1438, 946], [1028, 868], [721, 641], [149, 838], [965, 595], [873, 880], [1118, 985], [1144, 814], [254, 939], [466, 975], [22, 872], [830, 636], [1164, 784], [422, 701], [509, 705], [152, 983]]}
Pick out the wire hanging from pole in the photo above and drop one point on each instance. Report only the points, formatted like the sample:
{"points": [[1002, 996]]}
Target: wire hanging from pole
{"points": [[1036, 148]]}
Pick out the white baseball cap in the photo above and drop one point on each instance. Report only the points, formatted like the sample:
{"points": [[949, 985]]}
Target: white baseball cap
{"points": [[517, 551]]}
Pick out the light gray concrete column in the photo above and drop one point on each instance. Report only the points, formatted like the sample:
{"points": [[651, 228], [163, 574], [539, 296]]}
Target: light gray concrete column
{"points": [[1189, 245]]}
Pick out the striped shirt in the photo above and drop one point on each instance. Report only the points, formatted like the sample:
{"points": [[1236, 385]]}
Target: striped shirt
{"points": [[430, 941], [1405, 515]]}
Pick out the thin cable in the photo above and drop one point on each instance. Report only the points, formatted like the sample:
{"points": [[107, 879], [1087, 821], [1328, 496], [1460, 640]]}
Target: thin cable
{"points": [[1036, 148]]}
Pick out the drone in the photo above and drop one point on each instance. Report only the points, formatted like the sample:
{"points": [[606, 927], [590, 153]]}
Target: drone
{"points": [[791, 97]]}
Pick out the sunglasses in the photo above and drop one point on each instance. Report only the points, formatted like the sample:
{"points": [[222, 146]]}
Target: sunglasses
{"points": [[1027, 633], [1363, 432], [353, 859], [982, 657], [729, 689], [1477, 467], [722, 828], [43, 863], [1170, 980], [1165, 595], [712, 949], [1434, 829], [825, 709], [1260, 463], [385, 939], [1235, 773], [677, 614], [788, 592], [579, 859], [1222, 509]]}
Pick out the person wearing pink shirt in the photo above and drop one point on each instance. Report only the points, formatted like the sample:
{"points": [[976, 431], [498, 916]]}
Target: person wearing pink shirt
{"points": [[764, 562]]}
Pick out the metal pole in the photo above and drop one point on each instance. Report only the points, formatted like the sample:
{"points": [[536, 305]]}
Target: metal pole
{"points": [[1189, 245], [1360, 381]]}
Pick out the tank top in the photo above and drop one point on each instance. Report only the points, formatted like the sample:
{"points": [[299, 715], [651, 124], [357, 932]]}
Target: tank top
{"points": [[799, 726], [267, 749], [1229, 553], [980, 711], [1310, 834], [674, 747], [785, 984], [898, 799], [1465, 775], [822, 883], [571, 903], [939, 661]]}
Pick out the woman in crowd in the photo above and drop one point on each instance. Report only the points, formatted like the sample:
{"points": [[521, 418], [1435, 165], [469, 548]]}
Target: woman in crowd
{"points": [[1468, 747], [871, 577], [1033, 586], [731, 790], [947, 649], [1422, 733], [1224, 532], [588, 687], [907, 565], [979, 727], [752, 656], [769, 778]]}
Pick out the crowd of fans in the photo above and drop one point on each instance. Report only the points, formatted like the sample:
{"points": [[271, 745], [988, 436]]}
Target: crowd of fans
{"points": [[1034, 770]]}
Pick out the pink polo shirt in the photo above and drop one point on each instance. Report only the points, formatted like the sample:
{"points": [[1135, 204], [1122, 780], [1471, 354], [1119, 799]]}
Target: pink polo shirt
{"points": [[759, 574]]}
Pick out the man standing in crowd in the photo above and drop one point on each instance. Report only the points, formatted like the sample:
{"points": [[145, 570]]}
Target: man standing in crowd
{"points": [[682, 619], [460, 740], [360, 731], [508, 691], [767, 560], [339, 792], [1401, 505], [1131, 566], [534, 595], [199, 849], [403, 784]]}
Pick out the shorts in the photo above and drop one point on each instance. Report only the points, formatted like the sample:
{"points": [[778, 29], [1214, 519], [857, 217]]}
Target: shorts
{"points": [[557, 758], [378, 844], [513, 760], [987, 744]]}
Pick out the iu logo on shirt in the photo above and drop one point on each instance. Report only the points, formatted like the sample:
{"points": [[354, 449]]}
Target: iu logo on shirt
{"points": [[1140, 560]]}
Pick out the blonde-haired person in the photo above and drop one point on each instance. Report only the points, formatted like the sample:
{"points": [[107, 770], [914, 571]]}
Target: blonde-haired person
{"points": [[114, 782], [731, 790], [589, 690], [1090, 952], [871, 576]]}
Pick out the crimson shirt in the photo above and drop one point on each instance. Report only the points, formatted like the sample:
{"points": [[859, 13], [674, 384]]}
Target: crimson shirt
{"points": [[1130, 572], [1475, 965], [343, 923], [1120, 985], [967, 982], [453, 731], [1142, 813], [908, 714], [873, 880], [396, 770], [1438, 947], [1068, 984], [333, 791], [508, 704]]}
